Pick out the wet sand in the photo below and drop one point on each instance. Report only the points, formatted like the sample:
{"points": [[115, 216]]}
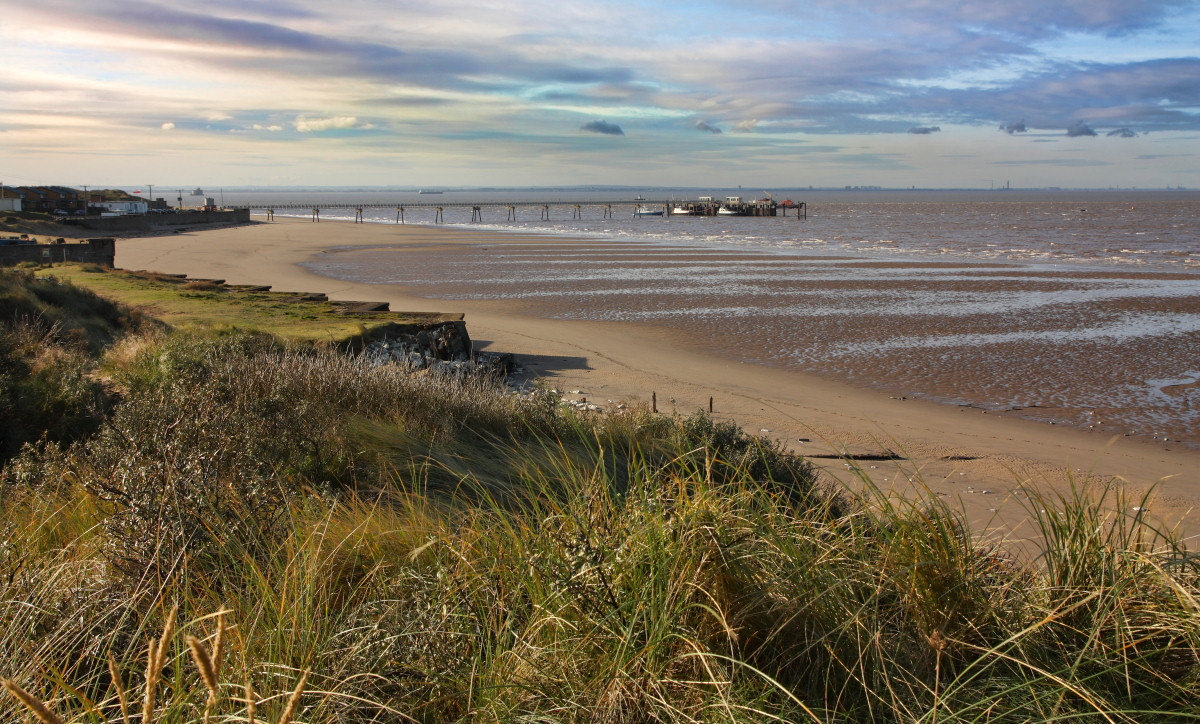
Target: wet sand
{"points": [[976, 458]]}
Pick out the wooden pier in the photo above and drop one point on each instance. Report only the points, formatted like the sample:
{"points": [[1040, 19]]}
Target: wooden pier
{"points": [[704, 206]]}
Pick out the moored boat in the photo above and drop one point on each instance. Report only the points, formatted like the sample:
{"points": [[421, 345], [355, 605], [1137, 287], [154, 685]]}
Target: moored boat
{"points": [[643, 210]]}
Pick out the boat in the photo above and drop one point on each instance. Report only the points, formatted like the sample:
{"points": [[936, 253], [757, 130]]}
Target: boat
{"points": [[732, 207], [423, 191], [682, 211], [197, 191], [643, 210]]}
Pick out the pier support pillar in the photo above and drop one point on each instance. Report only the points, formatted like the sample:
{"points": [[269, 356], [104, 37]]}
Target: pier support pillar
{"points": [[476, 214], [316, 215], [399, 214], [437, 215], [545, 212]]}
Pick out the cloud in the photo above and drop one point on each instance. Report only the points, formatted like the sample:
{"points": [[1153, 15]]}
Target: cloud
{"points": [[168, 126], [275, 128], [1018, 127], [604, 127], [1123, 133], [924, 130], [1078, 129], [706, 127], [1023, 18], [748, 126], [313, 125]]}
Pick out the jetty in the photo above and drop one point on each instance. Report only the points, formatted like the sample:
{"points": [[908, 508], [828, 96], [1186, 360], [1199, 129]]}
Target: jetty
{"points": [[703, 206]]}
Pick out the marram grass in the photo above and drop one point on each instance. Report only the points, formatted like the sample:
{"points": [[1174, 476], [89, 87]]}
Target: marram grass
{"points": [[265, 532]]}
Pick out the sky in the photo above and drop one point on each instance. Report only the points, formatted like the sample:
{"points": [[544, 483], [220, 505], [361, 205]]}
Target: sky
{"points": [[772, 93]]}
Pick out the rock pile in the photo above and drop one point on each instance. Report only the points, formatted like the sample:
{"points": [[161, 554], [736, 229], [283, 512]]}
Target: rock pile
{"points": [[444, 347]]}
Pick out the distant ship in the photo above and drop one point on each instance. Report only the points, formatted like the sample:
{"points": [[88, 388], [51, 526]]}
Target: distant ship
{"points": [[197, 191], [423, 191]]}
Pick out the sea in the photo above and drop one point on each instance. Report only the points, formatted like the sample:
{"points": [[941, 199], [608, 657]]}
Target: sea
{"points": [[1077, 308]]}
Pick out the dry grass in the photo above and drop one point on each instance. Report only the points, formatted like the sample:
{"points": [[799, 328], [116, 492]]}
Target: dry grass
{"points": [[385, 546]]}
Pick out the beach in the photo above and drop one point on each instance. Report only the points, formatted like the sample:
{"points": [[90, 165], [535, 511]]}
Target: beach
{"points": [[976, 457]]}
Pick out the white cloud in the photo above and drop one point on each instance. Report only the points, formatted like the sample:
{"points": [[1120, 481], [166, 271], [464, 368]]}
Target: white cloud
{"points": [[746, 126], [312, 125], [168, 126], [273, 128]]}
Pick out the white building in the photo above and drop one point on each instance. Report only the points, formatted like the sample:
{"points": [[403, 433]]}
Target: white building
{"points": [[123, 207]]}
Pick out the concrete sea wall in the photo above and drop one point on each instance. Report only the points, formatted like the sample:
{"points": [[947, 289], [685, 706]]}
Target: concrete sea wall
{"points": [[149, 222], [92, 251]]}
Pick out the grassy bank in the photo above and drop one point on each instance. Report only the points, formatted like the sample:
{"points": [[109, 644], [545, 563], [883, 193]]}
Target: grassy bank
{"points": [[252, 526], [207, 304]]}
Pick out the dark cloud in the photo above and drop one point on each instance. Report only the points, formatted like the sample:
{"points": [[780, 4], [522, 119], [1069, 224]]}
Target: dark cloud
{"points": [[608, 129], [706, 127], [1021, 18], [1079, 128], [1018, 127], [924, 130], [1063, 162], [1123, 133]]}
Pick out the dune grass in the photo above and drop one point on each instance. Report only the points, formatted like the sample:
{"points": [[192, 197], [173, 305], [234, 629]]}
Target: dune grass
{"points": [[270, 531]]}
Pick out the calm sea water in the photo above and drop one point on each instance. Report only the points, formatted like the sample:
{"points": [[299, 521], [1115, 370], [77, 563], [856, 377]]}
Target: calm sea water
{"points": [[1071, 308]]}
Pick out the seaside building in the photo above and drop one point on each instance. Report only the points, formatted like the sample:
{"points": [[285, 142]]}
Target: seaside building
{"points": [[120, 208], [10, 200], [45, 198]]}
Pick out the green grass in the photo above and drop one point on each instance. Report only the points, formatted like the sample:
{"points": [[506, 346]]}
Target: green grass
{"points": [[201, 305], [398, 547]]}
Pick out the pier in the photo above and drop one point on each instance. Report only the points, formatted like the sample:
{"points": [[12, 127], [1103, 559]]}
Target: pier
{"points": [[704, 206]]}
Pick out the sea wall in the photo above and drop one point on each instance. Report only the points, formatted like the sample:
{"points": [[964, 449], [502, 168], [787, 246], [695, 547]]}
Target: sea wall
{"points": [[148, 222], [91, 251]]}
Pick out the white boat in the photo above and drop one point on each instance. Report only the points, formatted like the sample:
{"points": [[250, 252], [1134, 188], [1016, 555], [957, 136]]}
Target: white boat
{"points": [[731, 207], [643, 210], [423, 191], [681, 211]]}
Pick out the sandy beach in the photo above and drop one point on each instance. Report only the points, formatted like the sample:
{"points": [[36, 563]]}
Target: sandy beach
{"points": [[975, 458]]}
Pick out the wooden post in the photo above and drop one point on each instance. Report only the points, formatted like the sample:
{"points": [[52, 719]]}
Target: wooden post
{"points": [[399, 214], [476, 214], [710, 405], [437, 215], [653, 402]]}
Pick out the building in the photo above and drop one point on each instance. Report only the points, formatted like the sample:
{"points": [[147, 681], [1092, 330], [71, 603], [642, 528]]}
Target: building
{"points": [[10, 200], [47, 199], [121, 208]]}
